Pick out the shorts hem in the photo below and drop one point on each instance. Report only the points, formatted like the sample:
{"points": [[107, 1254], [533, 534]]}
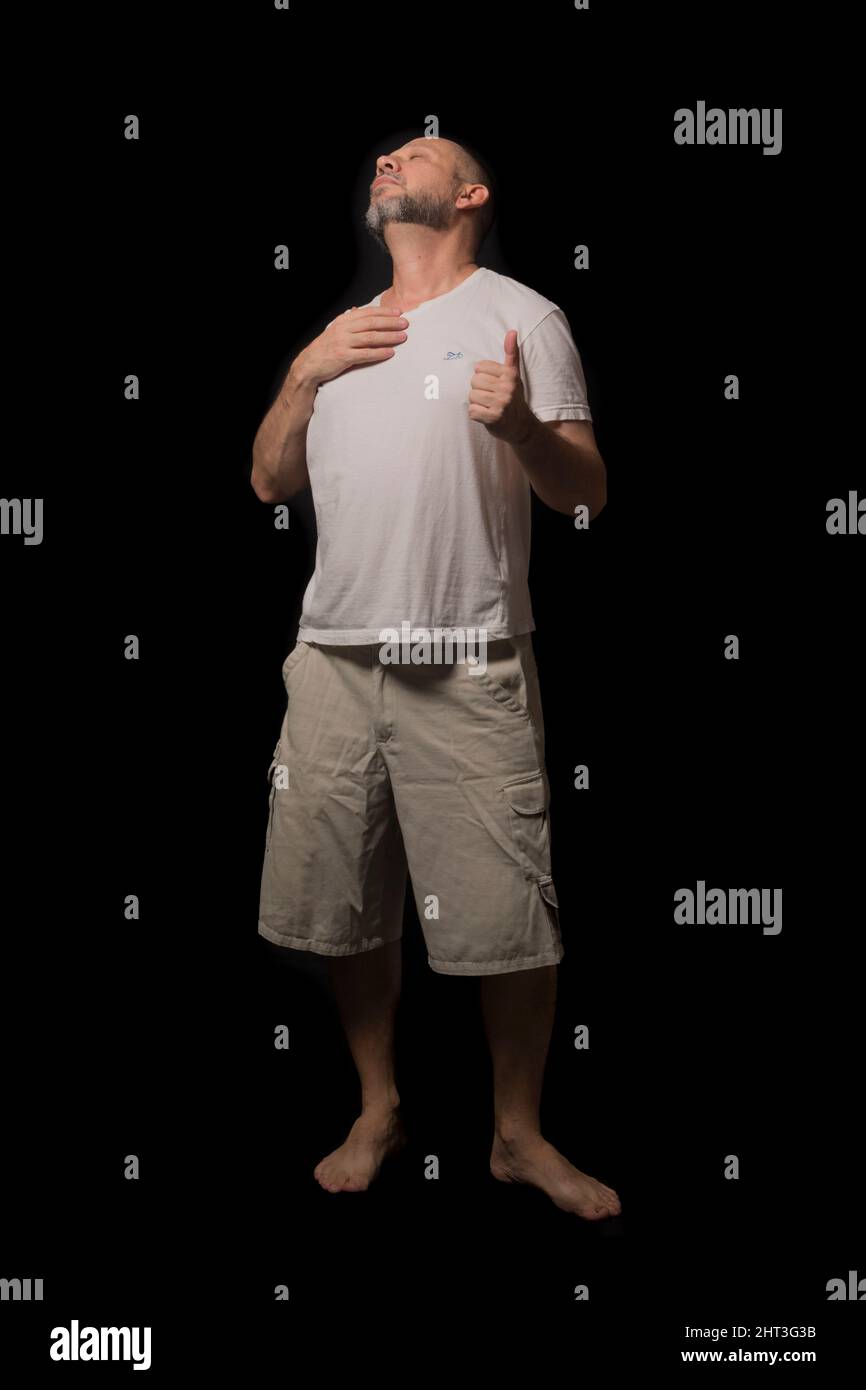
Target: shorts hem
{"points": [[321, 948], [494, 967]]}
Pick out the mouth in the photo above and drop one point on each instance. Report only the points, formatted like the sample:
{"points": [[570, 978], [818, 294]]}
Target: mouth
{"points": [[379, 182]]}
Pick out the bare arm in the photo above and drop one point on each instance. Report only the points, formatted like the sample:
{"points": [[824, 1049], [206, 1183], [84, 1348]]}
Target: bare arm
{"points": [[354, 339], [559, 457], [563, 464], [280, 447]]}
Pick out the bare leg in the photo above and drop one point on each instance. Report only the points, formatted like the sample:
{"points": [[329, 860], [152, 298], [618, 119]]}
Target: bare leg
{"points": [[367, 991], [518, 1011]]}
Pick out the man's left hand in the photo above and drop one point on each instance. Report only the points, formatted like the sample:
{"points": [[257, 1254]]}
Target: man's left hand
{"points": [[496, 396]]}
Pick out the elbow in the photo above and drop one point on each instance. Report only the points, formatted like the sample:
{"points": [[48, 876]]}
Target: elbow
{"points": [[262, 492], [261, 484], [260, 489], [592, 496], [600, 504], [600, 499]]}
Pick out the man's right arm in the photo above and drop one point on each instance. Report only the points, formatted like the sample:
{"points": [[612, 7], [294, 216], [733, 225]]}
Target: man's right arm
{"points": [[280, 446], [357, 338]]}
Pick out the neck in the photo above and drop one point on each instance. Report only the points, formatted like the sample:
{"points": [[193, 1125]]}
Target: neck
{"points": [[415, 280]]}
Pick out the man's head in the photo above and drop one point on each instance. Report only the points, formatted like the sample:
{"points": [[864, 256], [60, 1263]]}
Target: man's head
{"points": [[434, 183]]}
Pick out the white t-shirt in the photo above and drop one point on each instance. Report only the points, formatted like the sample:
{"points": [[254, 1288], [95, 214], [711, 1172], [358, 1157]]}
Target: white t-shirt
{"points": [[424, 516]]}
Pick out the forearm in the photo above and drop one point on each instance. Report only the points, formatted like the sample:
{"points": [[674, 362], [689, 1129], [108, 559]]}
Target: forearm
{"points": [[280, 446], [562, 473]]}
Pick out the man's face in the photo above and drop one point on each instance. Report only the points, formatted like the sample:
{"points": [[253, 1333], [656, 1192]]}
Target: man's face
{"points": [[414, 184]]}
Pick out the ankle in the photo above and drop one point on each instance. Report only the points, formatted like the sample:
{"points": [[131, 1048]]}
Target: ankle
{"points": [[515, 1129], [382, 1103]]}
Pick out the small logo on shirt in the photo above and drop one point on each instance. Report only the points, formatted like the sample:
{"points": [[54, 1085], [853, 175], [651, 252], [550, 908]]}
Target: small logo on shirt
{"points": [[449, 355]]}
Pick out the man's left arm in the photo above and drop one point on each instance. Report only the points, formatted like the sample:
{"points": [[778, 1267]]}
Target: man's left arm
{"points": [[563, 464], [559, 456]]}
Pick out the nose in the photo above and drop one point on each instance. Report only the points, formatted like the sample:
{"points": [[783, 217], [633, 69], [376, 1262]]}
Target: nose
{"points": [[387, 167]]}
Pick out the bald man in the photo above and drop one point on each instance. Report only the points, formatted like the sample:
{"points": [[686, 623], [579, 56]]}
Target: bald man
{"points": [[412, 746]]}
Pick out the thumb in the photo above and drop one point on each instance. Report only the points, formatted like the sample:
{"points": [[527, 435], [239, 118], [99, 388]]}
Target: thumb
{"points": [[512, 357]]}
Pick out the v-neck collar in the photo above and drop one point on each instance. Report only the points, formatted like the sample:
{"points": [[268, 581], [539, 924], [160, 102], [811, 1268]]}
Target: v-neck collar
{"points": [[437, 299]]}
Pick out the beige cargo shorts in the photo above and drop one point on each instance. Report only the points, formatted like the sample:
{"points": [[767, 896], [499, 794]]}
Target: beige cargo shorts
{"points": [[431, 771]]}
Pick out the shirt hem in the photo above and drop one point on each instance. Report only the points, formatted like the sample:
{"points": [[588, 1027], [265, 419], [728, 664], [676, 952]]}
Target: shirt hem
{"points": [[367, 636], [563, 412]]}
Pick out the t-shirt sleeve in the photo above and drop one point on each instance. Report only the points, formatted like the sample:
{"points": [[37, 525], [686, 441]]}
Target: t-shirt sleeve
{"points": [[552, 371]]}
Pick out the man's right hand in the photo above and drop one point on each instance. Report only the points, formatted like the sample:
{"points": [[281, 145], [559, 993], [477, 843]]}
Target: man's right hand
{"points": [[355, 338]]}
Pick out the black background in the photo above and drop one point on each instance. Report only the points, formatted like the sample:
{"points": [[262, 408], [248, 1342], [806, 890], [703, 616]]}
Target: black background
{"points": [[155, 1037]]}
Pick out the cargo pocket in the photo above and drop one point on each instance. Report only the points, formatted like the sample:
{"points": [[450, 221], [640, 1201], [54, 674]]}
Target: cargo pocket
{"points": [[272, 793], [551, 907], [527, 800]]}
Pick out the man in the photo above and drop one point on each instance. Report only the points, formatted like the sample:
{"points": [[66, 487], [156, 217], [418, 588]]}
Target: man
{"points": [[420, 420]]}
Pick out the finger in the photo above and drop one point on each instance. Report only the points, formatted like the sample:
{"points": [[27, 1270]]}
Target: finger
{"points": [[376, 324], [381, 309], [377, 339], [360, 356], [512, 358]]}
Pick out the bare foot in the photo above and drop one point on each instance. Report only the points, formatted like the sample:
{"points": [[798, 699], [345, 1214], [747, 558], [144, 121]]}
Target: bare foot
{"points": [[353, 1166], [530, 1159]]}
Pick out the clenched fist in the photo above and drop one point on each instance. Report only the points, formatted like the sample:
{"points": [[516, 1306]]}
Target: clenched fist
{"points": [[496, 396]]}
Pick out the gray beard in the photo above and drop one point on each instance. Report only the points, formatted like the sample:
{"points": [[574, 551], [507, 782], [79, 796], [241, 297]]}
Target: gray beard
{"points": [[425, 210]]}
